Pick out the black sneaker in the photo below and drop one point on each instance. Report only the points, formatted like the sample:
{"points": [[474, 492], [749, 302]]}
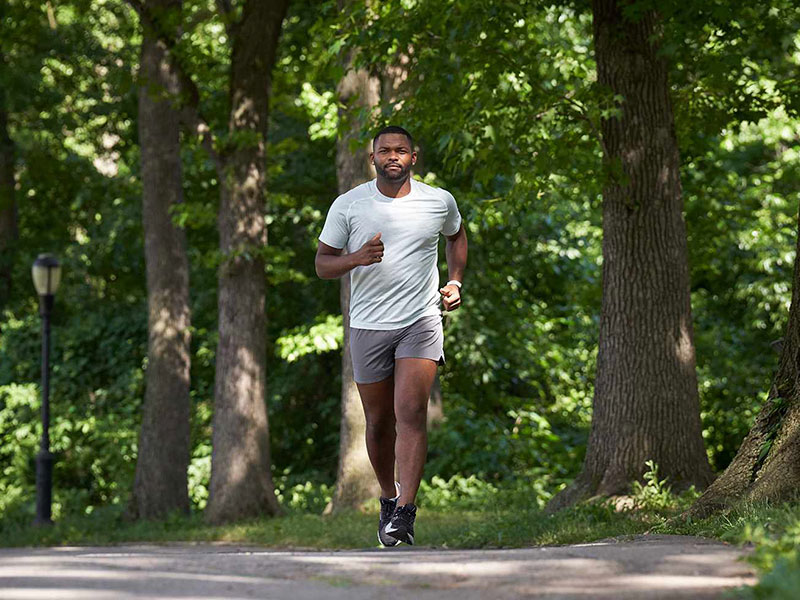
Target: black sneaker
{"points": [[388, 506], [401, 527]]}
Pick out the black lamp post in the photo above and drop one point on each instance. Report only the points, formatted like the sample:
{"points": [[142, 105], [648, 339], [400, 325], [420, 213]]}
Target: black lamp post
{"points": [[46, 277]]}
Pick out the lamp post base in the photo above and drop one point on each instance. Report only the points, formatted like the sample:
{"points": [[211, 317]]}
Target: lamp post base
{"points": [[44, 487]]}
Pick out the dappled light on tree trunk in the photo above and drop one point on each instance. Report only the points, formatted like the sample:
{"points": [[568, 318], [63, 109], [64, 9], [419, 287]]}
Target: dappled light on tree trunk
{"points": [[358, 91], [646, 402], [160, 484]]}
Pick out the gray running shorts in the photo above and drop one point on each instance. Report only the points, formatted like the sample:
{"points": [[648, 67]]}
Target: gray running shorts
{"points": [[374, 351]]}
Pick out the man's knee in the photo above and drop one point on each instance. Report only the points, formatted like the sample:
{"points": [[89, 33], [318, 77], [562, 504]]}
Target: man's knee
{"points": [[412, 416], [380, 425]]}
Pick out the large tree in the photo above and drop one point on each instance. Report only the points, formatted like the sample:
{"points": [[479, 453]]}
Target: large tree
{"points": [[241, 479], [645, 402], [160, 484], [358, 93]]}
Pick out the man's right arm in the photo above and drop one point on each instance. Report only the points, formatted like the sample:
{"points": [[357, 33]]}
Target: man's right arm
{"points": [[330, 263]]}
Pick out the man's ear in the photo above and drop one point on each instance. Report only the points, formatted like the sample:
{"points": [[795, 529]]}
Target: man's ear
{"points": [[413, 158], [371, 157]]}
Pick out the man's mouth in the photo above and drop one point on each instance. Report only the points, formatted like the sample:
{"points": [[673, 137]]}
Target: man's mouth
{"points": [[393, 166]]}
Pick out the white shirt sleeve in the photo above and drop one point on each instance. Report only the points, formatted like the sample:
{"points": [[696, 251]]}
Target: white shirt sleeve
{"points": [[336, 230], [452, 221]]}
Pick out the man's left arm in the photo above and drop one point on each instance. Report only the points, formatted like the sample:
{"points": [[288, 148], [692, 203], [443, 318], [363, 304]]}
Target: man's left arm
{"points": [[456, 254]]}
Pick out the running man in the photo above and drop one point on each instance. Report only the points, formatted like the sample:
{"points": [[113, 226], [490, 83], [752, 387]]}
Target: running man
{"points": [[390, 229]]}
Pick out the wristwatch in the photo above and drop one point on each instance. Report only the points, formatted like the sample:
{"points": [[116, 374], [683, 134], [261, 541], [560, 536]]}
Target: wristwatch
{"points": [[455, 283]]}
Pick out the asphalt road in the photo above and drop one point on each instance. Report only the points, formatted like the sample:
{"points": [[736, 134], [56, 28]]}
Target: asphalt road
{"points": [[640, 567]]}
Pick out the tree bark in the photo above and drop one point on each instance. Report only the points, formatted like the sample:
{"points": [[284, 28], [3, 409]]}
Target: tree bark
{"points": [[241, 480], [392, 91], [767, 465], [435, 405], [355, 481], [646, 403], [8, 207], [160, 484]]}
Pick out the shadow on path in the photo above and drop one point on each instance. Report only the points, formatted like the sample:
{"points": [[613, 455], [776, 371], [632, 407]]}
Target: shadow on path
{"points": [[643, 566]]}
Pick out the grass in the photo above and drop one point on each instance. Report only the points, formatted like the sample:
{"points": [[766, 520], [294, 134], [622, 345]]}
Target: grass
{"points": [[436, 528], [489, 519]]}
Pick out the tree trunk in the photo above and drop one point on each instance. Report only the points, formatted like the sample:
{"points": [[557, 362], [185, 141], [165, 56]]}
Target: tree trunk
{"points": [[355, 481], [435, 405], [646, 403], [393, 78], [160, 484], [8, 207], [767, 465], [241, 479]]}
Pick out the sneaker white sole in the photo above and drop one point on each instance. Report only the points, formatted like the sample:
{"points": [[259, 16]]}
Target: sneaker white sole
{"points": [[386, 531], [380, 541]]}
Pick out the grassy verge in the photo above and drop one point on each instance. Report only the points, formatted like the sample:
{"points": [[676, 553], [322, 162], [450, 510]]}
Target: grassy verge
{"points": [[775, 532], [496, 519], [436, 528]]}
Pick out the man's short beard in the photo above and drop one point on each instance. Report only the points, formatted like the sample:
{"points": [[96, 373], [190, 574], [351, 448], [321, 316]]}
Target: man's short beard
{"points": [[393, 175]]}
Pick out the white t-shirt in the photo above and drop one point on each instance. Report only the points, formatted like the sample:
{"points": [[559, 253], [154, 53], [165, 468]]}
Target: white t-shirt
{"points": [[404, 286]]}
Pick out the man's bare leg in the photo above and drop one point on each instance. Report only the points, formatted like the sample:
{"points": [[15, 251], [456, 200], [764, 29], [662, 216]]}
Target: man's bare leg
{"points": [[378, 402], [413, 378]]}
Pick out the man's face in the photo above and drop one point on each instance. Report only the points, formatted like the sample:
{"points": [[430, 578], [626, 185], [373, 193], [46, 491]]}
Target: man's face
{"points": [[393, 156]]}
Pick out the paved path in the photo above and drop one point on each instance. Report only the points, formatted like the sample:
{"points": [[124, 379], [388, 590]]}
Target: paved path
{"points": [[640, 567]]}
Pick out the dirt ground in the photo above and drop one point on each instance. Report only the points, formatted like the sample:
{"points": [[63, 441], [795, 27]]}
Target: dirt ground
{"points": [[637, 567]]}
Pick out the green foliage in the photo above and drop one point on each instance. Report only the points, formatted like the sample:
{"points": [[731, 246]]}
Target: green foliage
{"points": [[774, 530], [655, 494], [94, 422], [325, 335], [468, 492], [17, 403], [520, 445], [780, 583], [199, 474], [741, 205], [302, 497], [777, 556], [472, 493]]}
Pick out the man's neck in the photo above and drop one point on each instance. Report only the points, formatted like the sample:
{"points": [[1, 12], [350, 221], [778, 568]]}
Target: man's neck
{"points": [[394, 189]]}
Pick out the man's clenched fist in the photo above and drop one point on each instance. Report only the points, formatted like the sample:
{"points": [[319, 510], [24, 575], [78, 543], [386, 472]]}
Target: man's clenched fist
{"points": [[451, 297], [371, 252]]}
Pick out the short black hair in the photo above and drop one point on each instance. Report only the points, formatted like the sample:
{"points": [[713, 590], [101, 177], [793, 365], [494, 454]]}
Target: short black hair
{"points": [[393, 129]]}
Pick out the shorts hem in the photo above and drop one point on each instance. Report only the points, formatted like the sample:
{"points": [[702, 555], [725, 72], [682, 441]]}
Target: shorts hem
{"points": [[379, 379], [439, 361]]}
